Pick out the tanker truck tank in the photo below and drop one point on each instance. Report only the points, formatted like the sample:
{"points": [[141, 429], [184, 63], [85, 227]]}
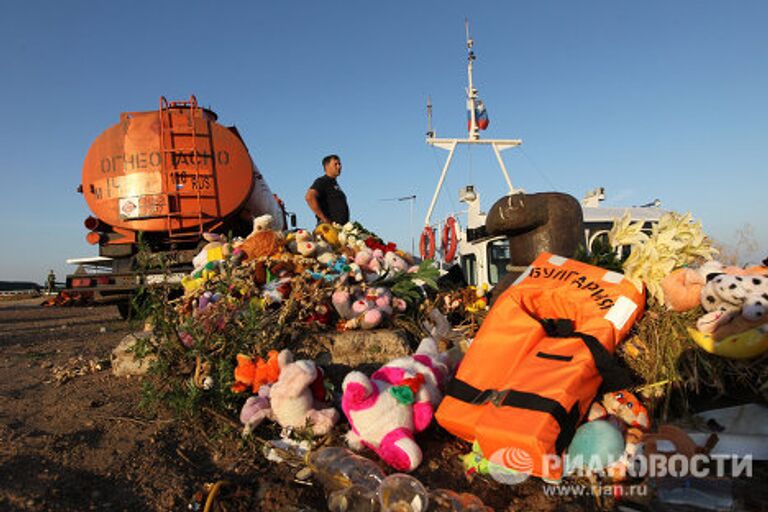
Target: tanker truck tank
{"points": [[162, 178]]}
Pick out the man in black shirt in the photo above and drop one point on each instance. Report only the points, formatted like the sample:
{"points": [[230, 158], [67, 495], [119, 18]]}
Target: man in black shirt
{"points": [[325, 197]]}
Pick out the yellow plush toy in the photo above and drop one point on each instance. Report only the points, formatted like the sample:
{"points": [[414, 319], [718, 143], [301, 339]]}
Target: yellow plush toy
{"points": [[328, 233], [743, 345]]}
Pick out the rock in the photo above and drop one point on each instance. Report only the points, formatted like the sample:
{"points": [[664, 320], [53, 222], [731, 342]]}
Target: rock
{"points": [[124, 362], [353, 348]]}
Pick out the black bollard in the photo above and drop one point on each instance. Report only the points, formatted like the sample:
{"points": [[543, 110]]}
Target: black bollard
{"points": [[535, 223]]}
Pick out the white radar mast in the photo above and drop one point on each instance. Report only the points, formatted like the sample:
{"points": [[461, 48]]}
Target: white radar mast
{"points": [[473, 137]]}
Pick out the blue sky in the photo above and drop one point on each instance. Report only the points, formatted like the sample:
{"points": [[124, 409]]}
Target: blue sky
{"points": [[653, 99]]}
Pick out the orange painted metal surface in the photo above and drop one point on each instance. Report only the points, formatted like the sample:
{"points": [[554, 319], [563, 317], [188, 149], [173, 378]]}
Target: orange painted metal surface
{"points": [[173, 170]]}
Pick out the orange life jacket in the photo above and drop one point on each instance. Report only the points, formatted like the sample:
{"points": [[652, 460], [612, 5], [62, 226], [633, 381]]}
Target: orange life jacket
{"points": [[538, 361]]}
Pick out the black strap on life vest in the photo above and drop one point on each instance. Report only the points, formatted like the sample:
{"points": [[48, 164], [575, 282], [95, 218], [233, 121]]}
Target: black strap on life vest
{"points": [[567, 420], [614, 379]]}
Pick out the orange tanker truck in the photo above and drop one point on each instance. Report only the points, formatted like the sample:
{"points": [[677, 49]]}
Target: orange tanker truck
{"points": [[158, 180]]}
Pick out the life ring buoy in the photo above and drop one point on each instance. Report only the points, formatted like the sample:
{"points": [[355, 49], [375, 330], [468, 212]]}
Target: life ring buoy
{"points": [[427, 243], [450, 240]]}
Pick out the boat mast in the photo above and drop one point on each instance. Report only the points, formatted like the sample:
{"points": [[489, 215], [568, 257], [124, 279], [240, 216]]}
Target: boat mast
{"points": [[474, 132], [473, 136]]}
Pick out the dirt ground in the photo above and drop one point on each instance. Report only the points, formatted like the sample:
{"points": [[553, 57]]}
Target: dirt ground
{"points": [[73, 436]]}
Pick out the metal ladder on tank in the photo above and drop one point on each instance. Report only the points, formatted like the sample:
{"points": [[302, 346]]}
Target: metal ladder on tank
{"points": [[170, 134]]}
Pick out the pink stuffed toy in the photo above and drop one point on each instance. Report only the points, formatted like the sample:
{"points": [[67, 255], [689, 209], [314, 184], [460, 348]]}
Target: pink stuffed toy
{"points": [[290, 400], [366, 310], [255, 410], [371, 262], [682, 288], [398, 400]]}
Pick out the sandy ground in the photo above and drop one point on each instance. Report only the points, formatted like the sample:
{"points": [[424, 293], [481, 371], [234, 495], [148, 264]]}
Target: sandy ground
{"points": [[73, 437]]}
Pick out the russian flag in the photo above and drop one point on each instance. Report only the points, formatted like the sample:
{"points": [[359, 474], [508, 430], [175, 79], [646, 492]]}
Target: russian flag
{"points": [[481, 116]]}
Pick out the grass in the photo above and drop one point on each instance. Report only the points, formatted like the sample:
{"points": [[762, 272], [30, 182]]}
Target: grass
{"points": [[677, 375]]}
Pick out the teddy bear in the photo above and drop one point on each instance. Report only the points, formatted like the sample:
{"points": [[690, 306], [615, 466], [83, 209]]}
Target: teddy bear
{"points": [[622, 405], [365, 310], [263, 241], [301, 242], [734, 303], [723, 324], [735, 300], [263, 223], [398, 400], [276, 291], [255, 410], [370, 261], [395, 262], [684, 288], [194, 281], [291, 401], [332, 269], [354, 310], [206, 262]]}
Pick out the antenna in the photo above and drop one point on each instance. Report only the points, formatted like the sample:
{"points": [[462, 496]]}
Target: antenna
{"points": [[474, 132], [430, 131], [470, 42]]}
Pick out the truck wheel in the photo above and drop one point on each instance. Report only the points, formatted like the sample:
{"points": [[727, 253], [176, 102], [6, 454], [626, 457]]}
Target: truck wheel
{"points": [[125, 310], [132, 309]]}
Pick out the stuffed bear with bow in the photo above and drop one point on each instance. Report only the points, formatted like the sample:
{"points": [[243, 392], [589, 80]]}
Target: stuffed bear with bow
{"points": [[398, 400]]}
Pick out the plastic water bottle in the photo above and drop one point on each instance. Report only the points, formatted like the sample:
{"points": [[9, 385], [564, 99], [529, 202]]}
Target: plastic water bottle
{"points": [[353, 499], [402, 493], [338, 468]]}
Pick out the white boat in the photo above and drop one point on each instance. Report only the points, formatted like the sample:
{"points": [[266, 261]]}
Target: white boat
{"points": [[485, 259]]}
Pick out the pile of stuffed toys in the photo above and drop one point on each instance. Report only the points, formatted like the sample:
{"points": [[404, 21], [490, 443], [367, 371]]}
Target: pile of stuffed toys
{"points": [[735, 301], [346, 260], [387, 409], [384, 411], [350, 267]]}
